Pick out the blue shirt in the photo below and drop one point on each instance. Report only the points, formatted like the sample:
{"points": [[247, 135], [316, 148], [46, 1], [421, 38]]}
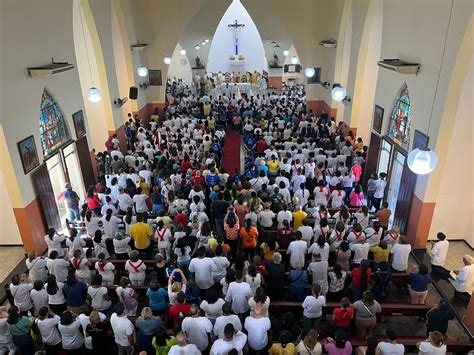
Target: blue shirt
{"points": [[297, 280], [75, 295], [72, 200], [157, 299], [212, 180], [148, 326], [419, 282]]}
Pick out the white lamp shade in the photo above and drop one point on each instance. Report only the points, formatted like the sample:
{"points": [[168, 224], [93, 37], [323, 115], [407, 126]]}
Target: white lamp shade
{"points": [[203, 43], [142, 71], [294, 60], [197, 46], [182, 51], [422, 161], [207, 40], [309, 72], [167, 60], [94, 95], [338, 93], [286, 52]]}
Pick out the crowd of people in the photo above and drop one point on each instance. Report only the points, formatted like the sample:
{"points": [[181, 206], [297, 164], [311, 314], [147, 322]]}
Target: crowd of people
{"points": [[207, 251]]}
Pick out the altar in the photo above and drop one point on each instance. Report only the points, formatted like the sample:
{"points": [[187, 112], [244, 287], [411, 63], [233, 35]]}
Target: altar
{"points": [[244, 88], [237, 65]]}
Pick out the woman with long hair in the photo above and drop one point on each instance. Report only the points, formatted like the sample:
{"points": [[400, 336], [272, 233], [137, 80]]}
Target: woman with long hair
{"points": [[93, 201], [339, 345], [163, 341], [343, 255], [356, 196], [259, 299], [269, 247], [129, 219], [212, 305], [309, 345], [56, 299], [366, 310], [19, 327], [92, 223], [71, 335], [54, 242], [253, 278], [110, 224], [337, 279], [434, 344]]}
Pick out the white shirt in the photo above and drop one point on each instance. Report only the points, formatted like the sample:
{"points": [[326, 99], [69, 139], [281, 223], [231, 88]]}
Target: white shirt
{"points": [[140, 203], [297, 250], [400, 253], [222, 346], [58, 297], [39, 299], [315, 249], [439, 252], [37, 269], [282, 215], [222, 263], [55, 244], [111, 227], [72, 338], [124, 201], [197, 329], [132, 273], [59, 268], [313, 307], [121, 245], [387, 348], [361, 251], [426, 348], [465, 279], [257, 329], [98, 301], [380, 188], [122, 328], [21, 295], [203, 269], [213, 310], [108, 273], [238, 293], [188, 349], [222, 321], [49, 331]]}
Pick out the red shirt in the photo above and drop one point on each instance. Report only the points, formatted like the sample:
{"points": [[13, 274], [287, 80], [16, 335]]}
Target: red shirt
{"points": [[285, 237], [342, 317], [357, 275], [93, 203], [109, 145], [181, 219], [261, 146], [185, 165], [178, 312]]}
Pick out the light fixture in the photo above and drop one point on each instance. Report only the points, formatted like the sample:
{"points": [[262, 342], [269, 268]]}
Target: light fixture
{"points": [[325, 84], [203, 43], [196, 46], [142, 71], [207, 40], [294, 60], [276, 46], [346, 100], [309, 72], [422, 161], [167, 60], [94, 95], [338, 93], [182, 51], [286, 52]]}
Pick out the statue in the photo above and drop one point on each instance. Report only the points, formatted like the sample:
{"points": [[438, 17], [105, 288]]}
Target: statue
{"points": [[199, 64], [274, 63]]}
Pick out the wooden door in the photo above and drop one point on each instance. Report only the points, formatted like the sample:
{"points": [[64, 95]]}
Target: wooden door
{"points": [[405, 195], [372, 157], [82, 148], [44, 191]]}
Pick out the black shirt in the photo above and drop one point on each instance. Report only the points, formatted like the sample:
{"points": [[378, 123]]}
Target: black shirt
{"points": [[100, 338], [438, 319]]}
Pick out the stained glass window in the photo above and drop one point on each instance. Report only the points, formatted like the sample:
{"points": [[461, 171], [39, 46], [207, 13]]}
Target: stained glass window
{"points": [[400, 118], [53, 126]]}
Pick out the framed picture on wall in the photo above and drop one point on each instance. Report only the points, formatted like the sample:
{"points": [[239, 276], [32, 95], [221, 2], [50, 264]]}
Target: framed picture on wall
{"points": [[154, 77], [79, 125], [28, 154], [420, 140], [378, 119]]}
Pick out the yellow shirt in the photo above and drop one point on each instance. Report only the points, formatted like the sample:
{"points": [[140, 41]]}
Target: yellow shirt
{"points": [[278, 349], [145, 188], [380, 254], [155, 118], [207, 110], [141, 233], [273, 166], [212, 124], [298, 218]]}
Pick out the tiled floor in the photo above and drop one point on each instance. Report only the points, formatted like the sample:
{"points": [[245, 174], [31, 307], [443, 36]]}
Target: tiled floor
{"points": [[10, 257], [457, 249]]}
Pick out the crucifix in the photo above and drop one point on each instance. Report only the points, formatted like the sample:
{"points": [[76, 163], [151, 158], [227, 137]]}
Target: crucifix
{"points": [[236, 26]]}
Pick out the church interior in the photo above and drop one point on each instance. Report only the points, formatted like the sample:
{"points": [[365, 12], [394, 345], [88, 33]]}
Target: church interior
{"points": [[242, 91]]}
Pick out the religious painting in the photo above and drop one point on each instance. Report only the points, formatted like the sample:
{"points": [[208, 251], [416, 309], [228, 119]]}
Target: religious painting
{"points": [[79, 125], [378, 119], [420, 140], [154, 77], [28, 154], [400, 118], [53, 126]]}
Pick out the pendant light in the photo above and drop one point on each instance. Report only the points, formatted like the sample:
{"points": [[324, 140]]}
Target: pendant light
{"points": [[167, 60], [182, 51], [286, 52], [93, 93], [423, 160], [142, 71], [294, 60], [338, 93], [309, 72]]}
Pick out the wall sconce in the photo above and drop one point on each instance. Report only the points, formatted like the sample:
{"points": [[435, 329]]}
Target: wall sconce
{"points": [[144, 85], [119, 102], [347, 100], [325, 84]]}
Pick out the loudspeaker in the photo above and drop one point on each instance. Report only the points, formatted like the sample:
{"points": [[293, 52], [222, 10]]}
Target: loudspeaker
{"points": [[133, 94]]}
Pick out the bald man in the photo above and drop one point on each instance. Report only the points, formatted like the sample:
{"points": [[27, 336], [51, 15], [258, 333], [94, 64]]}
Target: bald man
{"points": [[197, 328], [182, 347]]}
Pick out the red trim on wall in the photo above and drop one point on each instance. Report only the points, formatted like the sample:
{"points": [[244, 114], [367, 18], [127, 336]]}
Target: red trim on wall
{"points": [[145, 112], [419, 222], [317, 106], [31, 226], [120, 132], [275, 82]]}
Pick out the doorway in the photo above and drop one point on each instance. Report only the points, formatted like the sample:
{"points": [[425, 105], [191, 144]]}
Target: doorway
{"points": [[395, 182], [58, 180]]}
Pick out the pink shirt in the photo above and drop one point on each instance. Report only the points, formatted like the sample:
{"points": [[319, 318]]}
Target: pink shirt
{"points": [[357, 171], [356, 199], [333, 350]]}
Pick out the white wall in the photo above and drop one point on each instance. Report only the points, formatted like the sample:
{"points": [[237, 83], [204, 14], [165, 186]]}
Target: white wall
{"points": [[223, 44], [180, 67], [10, 233], [454, 211], [299, 77]]}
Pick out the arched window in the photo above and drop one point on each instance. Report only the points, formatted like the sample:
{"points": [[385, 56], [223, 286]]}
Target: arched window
{"points": [[400, 118], [53, 126]]}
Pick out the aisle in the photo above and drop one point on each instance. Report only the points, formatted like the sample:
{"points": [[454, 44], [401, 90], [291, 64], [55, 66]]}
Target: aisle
{"points": [[231, 156]]}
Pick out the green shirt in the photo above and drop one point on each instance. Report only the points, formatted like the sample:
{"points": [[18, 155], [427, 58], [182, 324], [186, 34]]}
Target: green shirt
{"points": [[22, 327], [163, 350]]}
